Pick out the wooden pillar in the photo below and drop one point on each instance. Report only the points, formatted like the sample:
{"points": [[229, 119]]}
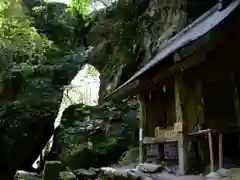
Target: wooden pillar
{"points": [[220, 150], [211, 151], [182, 142], [142, 126]]}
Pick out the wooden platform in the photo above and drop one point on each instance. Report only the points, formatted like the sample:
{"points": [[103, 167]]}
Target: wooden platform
{"points": [[158, 140], [176, 137]]}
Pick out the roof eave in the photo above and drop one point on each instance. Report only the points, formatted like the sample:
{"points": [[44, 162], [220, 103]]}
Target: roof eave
{"points": [[192, 32]]}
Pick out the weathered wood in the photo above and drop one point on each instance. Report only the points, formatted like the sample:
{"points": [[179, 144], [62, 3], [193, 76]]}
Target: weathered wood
{"points": [[142, 125], [178, 127], [194, 103], [202, 132], [120, 92], [211, 152], [158, 132], [165, 133], [159, 140], [156, 111], [182, 144], [220, 150]]}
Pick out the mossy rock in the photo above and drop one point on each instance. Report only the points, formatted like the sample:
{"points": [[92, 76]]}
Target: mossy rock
{"points": [[93, 139]]}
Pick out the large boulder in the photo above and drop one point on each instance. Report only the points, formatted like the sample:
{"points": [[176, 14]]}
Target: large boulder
{"points": [[29, 103], [95, 136]]}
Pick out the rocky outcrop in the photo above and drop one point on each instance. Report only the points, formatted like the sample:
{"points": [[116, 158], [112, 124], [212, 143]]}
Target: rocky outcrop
{"points": [[95, 136], [132, 38], [133, 31], [30, 99]]}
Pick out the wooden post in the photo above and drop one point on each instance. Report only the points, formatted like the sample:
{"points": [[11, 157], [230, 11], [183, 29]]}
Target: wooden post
{"points": [[182, 154], [211, 151], [142, 123], [220, 150]]}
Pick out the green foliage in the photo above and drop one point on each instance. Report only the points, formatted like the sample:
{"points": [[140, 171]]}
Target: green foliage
{"points": [[19, 41], [61, 24], [81, 6]]}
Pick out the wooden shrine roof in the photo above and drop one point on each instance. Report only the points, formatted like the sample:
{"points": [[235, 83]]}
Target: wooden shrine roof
{"points": [[201, 26]]}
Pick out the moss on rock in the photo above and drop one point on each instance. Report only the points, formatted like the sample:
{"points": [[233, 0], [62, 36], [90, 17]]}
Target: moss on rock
{"points": [[94, 139]]}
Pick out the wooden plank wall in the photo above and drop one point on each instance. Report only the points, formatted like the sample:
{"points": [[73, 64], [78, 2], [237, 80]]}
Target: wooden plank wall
{"points": [[194, 97], [155, 111], [161, 107]]}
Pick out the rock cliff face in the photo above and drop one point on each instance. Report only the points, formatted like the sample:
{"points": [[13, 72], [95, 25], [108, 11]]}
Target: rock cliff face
{"points": [[29, 105], [129, 34]]}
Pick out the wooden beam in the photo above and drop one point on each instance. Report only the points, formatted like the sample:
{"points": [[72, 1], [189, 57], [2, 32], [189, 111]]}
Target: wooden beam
{"points": [[159, 140], [182, 142], [142, 125], [120, 93]]}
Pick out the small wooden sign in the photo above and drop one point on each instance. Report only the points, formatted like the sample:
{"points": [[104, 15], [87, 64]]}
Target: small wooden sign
{"points": [[170, 134], [159, 132], [178, 127], [165, 133]]}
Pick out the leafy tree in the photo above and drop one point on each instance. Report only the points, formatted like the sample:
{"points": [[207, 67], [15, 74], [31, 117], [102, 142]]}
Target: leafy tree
{"points": [[81, 6], [19, 41]]}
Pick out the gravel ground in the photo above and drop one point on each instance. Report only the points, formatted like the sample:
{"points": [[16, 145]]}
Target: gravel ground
{"points": [[165, 176], [235, 173]]}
